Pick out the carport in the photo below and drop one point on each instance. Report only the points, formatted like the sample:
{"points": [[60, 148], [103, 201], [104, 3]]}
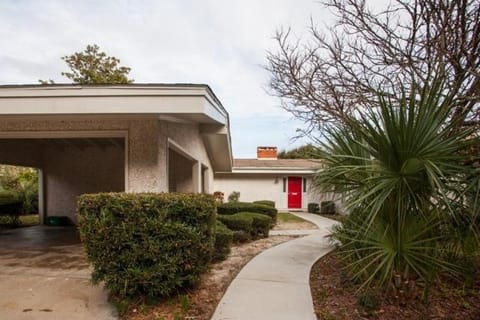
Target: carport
{"points": [[69, 164], [84, 139], [134, 138]]}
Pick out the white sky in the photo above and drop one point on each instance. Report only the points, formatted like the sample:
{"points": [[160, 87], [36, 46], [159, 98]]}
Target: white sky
{"points": [[220, 43]]}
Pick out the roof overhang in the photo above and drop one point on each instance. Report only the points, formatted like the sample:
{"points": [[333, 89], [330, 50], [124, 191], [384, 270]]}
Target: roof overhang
{"points": [[266, 171], [186, 103]]}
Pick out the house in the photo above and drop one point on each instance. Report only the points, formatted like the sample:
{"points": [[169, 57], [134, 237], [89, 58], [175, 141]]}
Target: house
{"points": [[111, 138], [287, 182]]}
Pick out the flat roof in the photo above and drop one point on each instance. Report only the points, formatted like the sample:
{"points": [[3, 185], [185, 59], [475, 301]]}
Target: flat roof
{"points": [[176, 102], [177, 99]]}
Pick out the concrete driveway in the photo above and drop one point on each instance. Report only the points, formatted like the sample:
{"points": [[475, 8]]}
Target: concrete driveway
{"points": [[44, 275]]}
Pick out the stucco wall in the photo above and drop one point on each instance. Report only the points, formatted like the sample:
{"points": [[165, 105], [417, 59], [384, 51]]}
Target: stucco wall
{"points": [[180, 173], [144, 160], [188, 137], [73, 171], [20, 153], [254, 187], [66, 175]]}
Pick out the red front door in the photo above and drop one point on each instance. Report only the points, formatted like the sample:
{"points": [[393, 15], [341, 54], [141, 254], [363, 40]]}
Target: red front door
{"points": [[294, 192]]}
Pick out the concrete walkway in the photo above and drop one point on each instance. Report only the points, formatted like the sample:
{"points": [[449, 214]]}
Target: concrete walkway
{"points": [[275, 284]]}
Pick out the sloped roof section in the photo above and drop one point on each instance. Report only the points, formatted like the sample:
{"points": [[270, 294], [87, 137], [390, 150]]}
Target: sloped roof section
{"points": [[279, 166], [279, 163]]}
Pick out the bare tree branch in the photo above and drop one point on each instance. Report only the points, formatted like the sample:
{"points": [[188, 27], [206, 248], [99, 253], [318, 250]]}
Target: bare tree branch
{"points": [[336, 73]]}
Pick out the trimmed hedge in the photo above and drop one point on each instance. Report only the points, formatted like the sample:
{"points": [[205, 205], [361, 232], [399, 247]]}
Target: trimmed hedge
{"points": [[313, 207], [268, 203], [237, 222], [260, 224], [253, 225], [240, 236], [236, 207], [223, 242], [327, 207], [147, 244]]}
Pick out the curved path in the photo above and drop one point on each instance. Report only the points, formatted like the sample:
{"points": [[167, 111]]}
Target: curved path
{"points": [[275, 284]]}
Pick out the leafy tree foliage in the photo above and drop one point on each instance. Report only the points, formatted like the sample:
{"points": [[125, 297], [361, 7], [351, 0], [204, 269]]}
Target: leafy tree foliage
{"points": [[307, 151], [23, 182], [93, 66]]}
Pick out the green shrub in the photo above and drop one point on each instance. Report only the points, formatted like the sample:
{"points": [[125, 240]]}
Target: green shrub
{"points": [[236, 207], [369, 301], [8, 197], [147, 244], [24, 183], [327, 207], [223, 241], [10, 208], [234, 196], [256, 225], [240, 236], [237, 222], [260, 224], [313, 207], [268, 203]]}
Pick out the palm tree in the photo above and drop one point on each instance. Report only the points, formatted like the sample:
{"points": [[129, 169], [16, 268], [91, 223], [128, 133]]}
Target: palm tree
{"points": [[402, 172]]}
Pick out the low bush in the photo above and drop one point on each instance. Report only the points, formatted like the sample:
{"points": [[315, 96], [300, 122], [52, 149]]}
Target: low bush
{"points": [[147, 244], [234, 196], [268, 203], [313, 207], [11, 207], [256, 225], [236, 222], [236, 207], [10, 199], [260, 224], [223, 242], [327, 207], [240, 236]]}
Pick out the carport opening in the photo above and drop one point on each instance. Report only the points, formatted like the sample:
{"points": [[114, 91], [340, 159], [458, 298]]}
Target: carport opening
{"points": [[19, 196], [180, 172], [68, 167]]}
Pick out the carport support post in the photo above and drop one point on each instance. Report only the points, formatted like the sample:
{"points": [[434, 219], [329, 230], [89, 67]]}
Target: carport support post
{"points": [[41, 197], [197, 177]]}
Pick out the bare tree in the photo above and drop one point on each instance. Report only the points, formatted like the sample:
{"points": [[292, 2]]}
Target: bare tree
{"points": [[336, 73]]}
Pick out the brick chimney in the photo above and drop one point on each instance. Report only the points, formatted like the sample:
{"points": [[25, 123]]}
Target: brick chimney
{"points": [[267, 153]]}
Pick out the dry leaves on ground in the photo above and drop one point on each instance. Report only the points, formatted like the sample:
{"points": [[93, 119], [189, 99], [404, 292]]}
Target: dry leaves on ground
{"points": [[335, 300]]}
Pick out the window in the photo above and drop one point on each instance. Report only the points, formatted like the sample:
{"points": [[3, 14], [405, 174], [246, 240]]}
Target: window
{"points": [[284, 184], [304, 184]]}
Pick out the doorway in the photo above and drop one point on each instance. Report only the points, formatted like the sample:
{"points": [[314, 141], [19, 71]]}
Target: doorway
{"points": [[294, 192]]}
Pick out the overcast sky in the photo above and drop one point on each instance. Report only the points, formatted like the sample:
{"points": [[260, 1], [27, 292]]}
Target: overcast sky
{"points": [[220, 43]]}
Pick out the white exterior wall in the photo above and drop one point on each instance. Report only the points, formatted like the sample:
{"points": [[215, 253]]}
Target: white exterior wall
{"points": [[253, 187]]}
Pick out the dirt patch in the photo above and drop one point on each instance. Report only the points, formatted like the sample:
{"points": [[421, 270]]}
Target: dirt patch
{"points": [[336, 299], [200, 303], [295, 226]]}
